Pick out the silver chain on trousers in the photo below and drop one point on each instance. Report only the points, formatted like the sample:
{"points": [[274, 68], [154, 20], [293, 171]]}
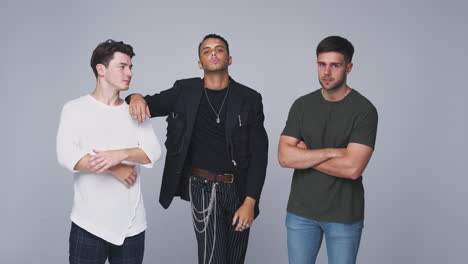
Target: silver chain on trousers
{"points": [[205, 219]]}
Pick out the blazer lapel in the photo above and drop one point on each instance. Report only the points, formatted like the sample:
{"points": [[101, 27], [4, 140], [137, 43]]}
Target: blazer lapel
{"points": [[192, 101]]}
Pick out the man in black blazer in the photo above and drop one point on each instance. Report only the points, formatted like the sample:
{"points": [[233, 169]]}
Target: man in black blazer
{"points": [[217, 151]]}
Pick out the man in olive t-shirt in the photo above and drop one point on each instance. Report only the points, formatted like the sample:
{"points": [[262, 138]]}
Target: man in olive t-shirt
{"points": [[328, 139]]}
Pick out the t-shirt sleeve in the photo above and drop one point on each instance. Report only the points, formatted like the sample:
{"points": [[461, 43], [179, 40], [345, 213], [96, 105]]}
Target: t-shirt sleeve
{"points": [[365, 128], [149, 143], [293, 124], [69, 149]]}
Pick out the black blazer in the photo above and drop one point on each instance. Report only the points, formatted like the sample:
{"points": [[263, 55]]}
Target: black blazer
{"points": [[245, 135]]}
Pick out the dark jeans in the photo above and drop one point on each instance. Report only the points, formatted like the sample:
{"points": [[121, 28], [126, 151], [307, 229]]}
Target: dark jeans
{"points": [[86, 248], [229, 246]]}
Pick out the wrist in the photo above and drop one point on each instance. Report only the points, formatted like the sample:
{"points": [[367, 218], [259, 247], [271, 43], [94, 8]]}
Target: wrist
{"points": [[124, 154], [249, 201], [136, 97], [113, 169], [330, 153]]}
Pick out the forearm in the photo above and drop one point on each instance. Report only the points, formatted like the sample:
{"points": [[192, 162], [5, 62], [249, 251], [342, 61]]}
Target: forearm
{"points": [[103, 160], [351, 165], [82, 164], [136, 155], [291, 156], [344, 167], [338, 167], [158, 104]]}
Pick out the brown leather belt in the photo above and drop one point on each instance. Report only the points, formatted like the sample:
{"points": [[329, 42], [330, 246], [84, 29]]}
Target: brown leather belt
{"points": [[224, 178]]}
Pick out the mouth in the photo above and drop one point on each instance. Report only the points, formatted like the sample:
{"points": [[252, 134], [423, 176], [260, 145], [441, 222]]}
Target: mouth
{"points": [[126, 81], [327, 81], [214, 60]]}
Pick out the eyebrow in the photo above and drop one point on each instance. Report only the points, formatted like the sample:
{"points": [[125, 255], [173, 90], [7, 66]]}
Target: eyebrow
{"points": [[217, 46], [339, 63]]}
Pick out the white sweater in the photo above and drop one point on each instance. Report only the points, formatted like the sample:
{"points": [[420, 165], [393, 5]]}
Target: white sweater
{"points": [[102, 205]]}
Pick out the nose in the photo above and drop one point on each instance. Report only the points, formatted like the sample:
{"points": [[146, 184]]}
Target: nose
{"points": [[129, 73], [327, 69]]}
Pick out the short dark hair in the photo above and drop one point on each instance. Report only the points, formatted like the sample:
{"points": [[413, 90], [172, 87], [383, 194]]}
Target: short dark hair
{"points": [[337, 44], [104, 53], [216, 37]]}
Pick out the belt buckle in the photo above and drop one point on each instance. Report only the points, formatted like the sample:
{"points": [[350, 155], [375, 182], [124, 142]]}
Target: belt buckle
{"points": [[232, 177]]}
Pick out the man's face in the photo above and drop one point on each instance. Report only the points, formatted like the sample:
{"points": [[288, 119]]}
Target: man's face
{"points": [[332, 70], [118, 73], [214, 56]]}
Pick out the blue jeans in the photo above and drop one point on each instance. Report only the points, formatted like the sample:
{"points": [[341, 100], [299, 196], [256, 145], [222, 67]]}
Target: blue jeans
{"points": [[305, 238], [86, 248]]}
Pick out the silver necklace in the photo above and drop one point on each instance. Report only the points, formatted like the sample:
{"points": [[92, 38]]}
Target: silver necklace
{"points": [[222, 104]]}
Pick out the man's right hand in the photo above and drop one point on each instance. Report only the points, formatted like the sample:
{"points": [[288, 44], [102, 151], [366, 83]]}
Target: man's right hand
{"points": [[139, 109], [125, 173]]}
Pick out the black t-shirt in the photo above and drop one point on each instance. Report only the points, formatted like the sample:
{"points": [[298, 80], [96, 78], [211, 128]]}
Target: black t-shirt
{"points": [[325, 124], [208, 148]]}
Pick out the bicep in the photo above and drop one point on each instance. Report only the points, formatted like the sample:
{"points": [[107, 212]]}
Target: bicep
{"points": [[68, 146], [294, 122], [365, 129], [360, 154], [288, 141]]}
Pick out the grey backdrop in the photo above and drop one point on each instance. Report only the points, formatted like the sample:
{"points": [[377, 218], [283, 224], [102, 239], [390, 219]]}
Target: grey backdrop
{"points": [[410, 61]]}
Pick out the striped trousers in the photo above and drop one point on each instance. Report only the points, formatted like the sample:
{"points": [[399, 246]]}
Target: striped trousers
{"points": [[219, 243]]}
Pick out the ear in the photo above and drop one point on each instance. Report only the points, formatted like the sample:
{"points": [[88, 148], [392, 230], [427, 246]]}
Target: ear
{"points": [[200, 65], [349, 67], [229, 60], [101, 69]]}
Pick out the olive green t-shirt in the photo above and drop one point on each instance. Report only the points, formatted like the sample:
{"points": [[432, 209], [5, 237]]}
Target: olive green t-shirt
{"points": [[325, 124]]}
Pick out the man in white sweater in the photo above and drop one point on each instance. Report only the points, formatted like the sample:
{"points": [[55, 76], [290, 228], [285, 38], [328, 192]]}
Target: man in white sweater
{"points": [[101, 144]]}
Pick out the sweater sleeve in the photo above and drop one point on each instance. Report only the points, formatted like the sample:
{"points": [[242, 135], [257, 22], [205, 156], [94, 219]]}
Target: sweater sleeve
{"points": [[69, 150], [148, 142]]}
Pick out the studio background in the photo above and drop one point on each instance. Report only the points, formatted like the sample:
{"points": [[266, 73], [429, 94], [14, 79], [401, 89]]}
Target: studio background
{"points": [[410, 61]]}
